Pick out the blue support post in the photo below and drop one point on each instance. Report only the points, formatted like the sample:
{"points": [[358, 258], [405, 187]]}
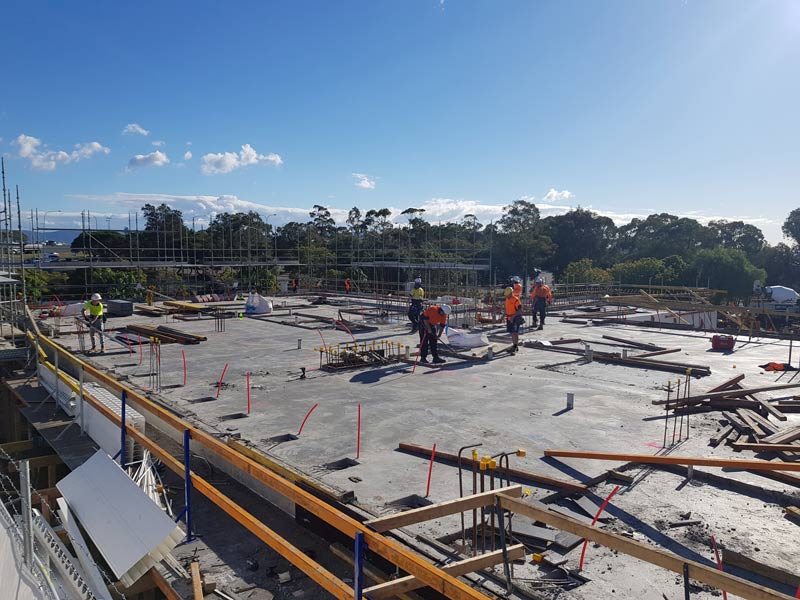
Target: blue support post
{"points": [[122, 432], [358, 576], [187, 494]]}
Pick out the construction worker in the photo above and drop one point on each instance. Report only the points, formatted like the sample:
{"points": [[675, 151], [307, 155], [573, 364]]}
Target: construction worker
{"points": [[95, 318], [294, 285], [542, 297], [415, 308], [514, 318], [432, 324], [346, 285], [517, 286]]}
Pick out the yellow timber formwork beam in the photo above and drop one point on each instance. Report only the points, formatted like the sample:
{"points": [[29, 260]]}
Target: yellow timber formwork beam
{"points": [[390, 550], [667, 560]]}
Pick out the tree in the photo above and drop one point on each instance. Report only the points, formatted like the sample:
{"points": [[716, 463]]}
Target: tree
{"points": [[662, 235], [378, 220], [164, 230], [727, 269], [322, 220], [739, 235], [791, 226], [643, 271], [470, 223], [523, 243], [354, 221], [584, 271], [579, 234], [782, 264], [415, 220]]}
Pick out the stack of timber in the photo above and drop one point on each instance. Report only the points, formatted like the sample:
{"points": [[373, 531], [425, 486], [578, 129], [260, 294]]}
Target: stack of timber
{"points": [[153, 309], [642, 361], [167, 335], [185, 306]]}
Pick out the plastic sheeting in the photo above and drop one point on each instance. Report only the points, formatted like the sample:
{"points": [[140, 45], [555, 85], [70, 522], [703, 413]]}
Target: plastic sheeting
{"points": [[257, 305]]}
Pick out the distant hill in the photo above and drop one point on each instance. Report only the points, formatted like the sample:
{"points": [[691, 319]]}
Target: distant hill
{"points": [[57, 235]]}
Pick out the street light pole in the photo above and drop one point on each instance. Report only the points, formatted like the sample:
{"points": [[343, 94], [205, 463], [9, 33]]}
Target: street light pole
{"points": [[47, 212]]}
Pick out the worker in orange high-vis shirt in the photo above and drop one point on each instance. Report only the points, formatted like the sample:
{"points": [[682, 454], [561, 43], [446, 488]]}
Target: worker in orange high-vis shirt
{"points": [[514, 318], [347, 285], [542, 297], [432, 323]]}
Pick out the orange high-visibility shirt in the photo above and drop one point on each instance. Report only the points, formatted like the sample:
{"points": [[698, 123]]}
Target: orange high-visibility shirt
{"points": [[434, 316], [513, 304], [542, 291], [517, 290]]}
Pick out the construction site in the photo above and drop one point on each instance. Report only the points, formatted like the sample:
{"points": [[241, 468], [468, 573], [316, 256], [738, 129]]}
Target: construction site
{"points": [[642, 444]]}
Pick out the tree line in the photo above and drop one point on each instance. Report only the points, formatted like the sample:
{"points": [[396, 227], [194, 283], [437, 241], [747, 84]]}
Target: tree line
{"points": [[579, 246]]}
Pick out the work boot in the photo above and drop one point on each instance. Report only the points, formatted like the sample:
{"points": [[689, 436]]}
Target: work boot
{"points": [[439, 361], [514, 348], [540, 327], [424, 360]]}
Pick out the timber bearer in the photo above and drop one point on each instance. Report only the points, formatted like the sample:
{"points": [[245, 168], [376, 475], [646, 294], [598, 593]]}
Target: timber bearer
{"points": [[415, 308], [542, 297], [95, 318], [432, 326]]}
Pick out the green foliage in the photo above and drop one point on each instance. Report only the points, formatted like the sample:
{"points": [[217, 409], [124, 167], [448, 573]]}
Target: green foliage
{"points": [[42, 284], [644, 271], [584, 271], [791, 227], [727, 269], [580, 234], [119, 283]]}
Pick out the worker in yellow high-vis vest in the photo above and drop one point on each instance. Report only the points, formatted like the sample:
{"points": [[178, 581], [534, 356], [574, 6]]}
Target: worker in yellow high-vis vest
{"points": [[95, 317]]}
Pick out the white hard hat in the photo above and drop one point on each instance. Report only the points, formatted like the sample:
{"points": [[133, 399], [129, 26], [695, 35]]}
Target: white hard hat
{"points": [[418, 280], [539, 280], [516, 278], [445, 308], [96, 297]]}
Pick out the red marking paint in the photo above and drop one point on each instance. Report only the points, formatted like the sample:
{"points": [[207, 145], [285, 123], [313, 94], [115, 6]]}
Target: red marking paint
{"points": [[797, 595], [594, 521], [141, 355], [130, 349], [308, 414], [248, 391], [658, 445], [358, 434], [345, 328], [221, 377], [430, 471], [419, 353], [719, 564], [324, 345], [183, 356]]}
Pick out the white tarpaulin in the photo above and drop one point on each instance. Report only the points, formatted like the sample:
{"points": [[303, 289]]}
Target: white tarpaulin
{"points": [[128, 528], [459, 338], [257, 305]]}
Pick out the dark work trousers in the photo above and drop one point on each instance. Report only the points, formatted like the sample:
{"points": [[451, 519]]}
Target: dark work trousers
{"points": [[540, 309], [414, 311], [427, 341]]}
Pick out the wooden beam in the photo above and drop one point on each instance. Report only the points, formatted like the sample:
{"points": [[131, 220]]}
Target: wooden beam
{"points": [[197, 581], [39, 461], [703, 573], [442, 509], [655, 353], [649, 459], [729, 557], [369, 571], [727, 394], [764, 447], [163, 585], [14, 447], [516, 474], [468, 565]]}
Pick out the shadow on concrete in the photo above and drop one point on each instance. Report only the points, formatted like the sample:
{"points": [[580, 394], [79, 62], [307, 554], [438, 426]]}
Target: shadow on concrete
{"points": [[372, 376]]}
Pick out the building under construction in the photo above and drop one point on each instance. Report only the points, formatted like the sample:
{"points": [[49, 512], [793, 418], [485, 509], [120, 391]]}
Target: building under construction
{"points": [[300, 449]]}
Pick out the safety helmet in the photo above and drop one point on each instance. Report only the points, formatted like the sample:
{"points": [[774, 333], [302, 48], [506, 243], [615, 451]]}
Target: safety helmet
{"points": [[516, 279], [96, 297], [507, 292], [418, 280], [539, 280], [445, 308]]}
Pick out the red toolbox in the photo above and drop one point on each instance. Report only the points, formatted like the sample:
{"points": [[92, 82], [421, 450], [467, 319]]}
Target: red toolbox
{"points": [[723, 342]]}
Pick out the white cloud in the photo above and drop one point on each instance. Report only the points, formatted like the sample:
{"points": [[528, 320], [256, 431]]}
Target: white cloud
{"points": [[135, 129], [158, 143], [187, 155], [364, 181], [154, 159], [226, 162], [47, 160]]}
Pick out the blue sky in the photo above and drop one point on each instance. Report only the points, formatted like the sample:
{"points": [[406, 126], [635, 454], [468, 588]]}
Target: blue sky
{"points": [[626, 107]]}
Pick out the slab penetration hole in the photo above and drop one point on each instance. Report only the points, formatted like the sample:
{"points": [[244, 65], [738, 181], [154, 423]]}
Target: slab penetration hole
{"points": [[203, 399], [341, 464], [279, 439], [412, 501], [236, 415]]}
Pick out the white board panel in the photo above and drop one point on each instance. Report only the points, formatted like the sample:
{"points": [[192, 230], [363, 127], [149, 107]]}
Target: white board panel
{"points": [[122, 521]]}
